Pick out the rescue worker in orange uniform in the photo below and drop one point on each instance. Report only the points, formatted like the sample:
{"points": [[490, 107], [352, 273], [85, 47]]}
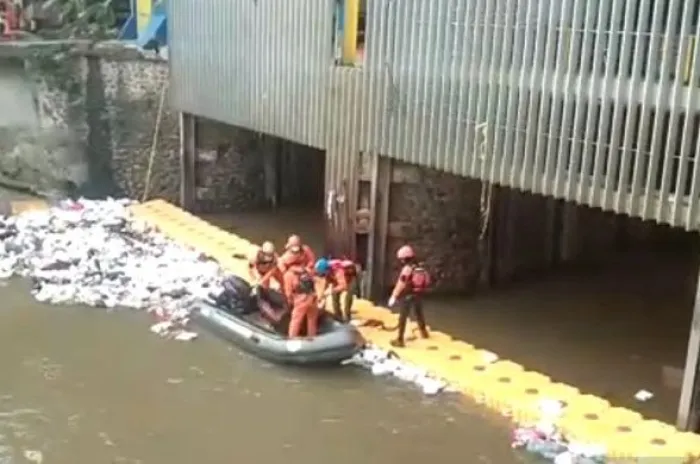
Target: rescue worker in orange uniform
{"points": [[300, 291], [296, 253], [338, 276], [408, 292], [263, 266]]}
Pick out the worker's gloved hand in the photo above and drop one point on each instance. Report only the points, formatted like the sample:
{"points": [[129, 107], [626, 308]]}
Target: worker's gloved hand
{"points": [[328, 292], [392, 301], [255, 290]]}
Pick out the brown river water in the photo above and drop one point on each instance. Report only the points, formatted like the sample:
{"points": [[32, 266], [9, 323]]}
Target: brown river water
{"points": [[84, 385]]}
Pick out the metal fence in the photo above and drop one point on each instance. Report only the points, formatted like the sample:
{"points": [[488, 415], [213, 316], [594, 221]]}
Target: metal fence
{"points": [[594, 101]]}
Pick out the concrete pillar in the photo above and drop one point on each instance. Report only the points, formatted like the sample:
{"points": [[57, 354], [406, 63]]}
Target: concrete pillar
{"points": [[188, 156], [689, 406], [570, 240], [270, 164], [380, 188]]}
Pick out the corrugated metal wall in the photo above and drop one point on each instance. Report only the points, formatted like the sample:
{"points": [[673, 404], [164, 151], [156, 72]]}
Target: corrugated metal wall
{"points": [[588, 100]]}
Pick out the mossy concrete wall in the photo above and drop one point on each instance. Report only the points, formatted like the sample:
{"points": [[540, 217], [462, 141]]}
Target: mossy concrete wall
{"points": [[84, 124]]}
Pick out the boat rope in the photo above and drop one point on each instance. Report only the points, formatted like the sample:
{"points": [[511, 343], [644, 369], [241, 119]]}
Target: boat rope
{"points": [[154, 142]]}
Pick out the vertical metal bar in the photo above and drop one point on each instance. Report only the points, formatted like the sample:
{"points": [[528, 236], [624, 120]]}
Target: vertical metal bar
{"points": [[386, 167], [369, 281], [552, 176], [188, 153], [473, 78], [382, 56], [465, 81], [641, 164], [437, 158], [690, 220], [563, 173], [686, 67], [669, 63], [506, 90], [485, 85], [621, 46], [687, 406], [427, 93], [692, 214], [525, 90], [401, 92], [418, 74], [318, 90], [452, 86], [539, 181], [515, 96], [536, 98], [583, 103], [350, 23], [636, 116], [595, 153]]}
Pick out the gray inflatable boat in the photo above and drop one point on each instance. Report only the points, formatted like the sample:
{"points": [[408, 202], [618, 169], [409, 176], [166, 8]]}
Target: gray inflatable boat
{"points": [[257, 325]]}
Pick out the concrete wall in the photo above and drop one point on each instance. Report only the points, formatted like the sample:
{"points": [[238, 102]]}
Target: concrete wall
{"points": [[88, 126], [439, 215], [242, 170]]}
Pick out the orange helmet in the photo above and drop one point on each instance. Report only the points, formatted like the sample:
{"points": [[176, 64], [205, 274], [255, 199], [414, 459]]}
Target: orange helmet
{"points": [[268, 248], [293, 243], [405, 252]]}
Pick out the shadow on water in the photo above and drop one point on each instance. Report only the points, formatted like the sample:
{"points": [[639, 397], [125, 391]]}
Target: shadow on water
{"points": [[609, 330]]}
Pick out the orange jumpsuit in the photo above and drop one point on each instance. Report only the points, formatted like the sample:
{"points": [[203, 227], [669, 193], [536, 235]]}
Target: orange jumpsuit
{"points": [[264, 270], [303, 302], [305, 258], [337, 281], [409, 301]]}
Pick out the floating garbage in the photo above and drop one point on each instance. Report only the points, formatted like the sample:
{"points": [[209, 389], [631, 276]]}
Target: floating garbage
{"points": [[381, 362], [545, 440], [643, 395], [95, 253]]}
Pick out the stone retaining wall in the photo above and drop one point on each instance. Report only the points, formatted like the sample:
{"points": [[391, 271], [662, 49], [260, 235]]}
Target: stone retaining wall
{"points": [[95, 117]]}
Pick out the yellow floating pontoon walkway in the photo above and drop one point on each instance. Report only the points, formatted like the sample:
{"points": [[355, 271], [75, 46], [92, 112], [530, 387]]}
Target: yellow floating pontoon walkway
{"points": [[504, 386]]}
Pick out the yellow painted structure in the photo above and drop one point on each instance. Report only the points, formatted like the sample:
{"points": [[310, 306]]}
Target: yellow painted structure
{"points": [[144, 8], [351, 18], [504, 386]]}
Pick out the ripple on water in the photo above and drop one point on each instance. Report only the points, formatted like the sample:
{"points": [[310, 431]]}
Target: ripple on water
{"points": [[17, 442]]}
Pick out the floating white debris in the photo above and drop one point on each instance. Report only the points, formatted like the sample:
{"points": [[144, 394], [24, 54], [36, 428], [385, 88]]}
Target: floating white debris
{"points": [[381, 362], [93, 252], [643, 395], [35, 456]]}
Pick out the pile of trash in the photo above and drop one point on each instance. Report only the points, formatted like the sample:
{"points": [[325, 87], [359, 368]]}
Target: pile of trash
{"points": [[381, 362], [95, 253], [92, 252], [545, 440]]}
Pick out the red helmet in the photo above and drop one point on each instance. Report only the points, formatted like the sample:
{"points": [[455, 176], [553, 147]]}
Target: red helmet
{"points": [[405, 252], [293, 243]]}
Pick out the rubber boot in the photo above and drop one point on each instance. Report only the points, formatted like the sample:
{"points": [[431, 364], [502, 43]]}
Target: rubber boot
{"points": [[398, 342]]}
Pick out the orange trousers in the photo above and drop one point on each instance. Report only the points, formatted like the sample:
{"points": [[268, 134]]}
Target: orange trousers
{"points": [[304, 309]]}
